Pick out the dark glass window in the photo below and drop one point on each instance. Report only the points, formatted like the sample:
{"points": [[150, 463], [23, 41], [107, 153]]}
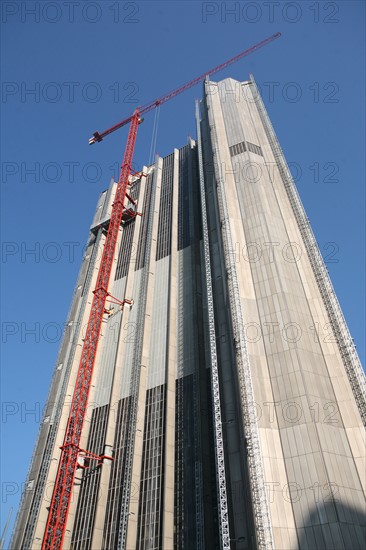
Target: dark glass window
{"points": [[165, 211]]}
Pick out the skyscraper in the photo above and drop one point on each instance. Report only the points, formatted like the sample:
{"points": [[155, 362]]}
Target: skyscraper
{"points": [[227, 400]]}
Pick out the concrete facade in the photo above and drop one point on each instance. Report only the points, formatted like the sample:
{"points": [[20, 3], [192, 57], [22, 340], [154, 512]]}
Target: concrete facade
{"points": [[229, 392], [310, 429]]}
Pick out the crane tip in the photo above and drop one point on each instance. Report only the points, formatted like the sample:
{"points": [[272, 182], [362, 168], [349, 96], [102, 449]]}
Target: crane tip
{"points": [[96, 137]]}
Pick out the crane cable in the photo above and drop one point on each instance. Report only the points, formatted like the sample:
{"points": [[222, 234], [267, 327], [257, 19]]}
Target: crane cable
{"points": [[154, 136]]}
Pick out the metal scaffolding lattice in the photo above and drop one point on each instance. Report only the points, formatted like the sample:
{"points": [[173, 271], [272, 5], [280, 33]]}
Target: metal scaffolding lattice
{"points": [[255, 463], [219, 441]]}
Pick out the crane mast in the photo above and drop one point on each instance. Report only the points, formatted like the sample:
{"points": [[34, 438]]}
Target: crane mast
{"points": [[70, 449], [61, 498]]}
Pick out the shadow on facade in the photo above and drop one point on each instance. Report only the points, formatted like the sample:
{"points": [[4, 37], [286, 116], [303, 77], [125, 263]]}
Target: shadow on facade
{"points": [[334, 526]]}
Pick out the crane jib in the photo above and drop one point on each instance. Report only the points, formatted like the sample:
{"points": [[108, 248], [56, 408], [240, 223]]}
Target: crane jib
{"points": [[153, 104]]}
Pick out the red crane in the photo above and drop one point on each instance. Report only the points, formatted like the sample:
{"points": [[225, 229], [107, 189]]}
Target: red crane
{"points": [[61, 497]]}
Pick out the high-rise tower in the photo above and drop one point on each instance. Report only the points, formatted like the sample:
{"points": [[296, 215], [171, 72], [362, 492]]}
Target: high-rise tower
{"points": [[227, 397]]}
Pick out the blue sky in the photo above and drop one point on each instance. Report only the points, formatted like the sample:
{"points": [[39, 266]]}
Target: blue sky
{"points": [[87, 64]]}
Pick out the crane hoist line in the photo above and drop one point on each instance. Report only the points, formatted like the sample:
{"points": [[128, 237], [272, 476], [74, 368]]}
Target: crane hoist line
{"points": [[70, 449]]}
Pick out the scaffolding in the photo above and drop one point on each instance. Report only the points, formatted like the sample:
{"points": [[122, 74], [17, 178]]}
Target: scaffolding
{"points": [[179, 473], [338, 323], [215, 386], [260, 504]]}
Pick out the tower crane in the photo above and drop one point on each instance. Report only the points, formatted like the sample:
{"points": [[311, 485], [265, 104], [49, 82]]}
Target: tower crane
{"points": [[70, 449]]}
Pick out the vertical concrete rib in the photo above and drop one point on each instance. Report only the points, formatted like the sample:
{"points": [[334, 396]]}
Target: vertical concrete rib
{"points": [[171, 358], [255, 462], [219, 443]]}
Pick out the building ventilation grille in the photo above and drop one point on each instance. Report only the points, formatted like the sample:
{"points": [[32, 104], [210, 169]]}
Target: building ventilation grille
{"points": [[241, 148], [237, 149], [254, 148]]}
